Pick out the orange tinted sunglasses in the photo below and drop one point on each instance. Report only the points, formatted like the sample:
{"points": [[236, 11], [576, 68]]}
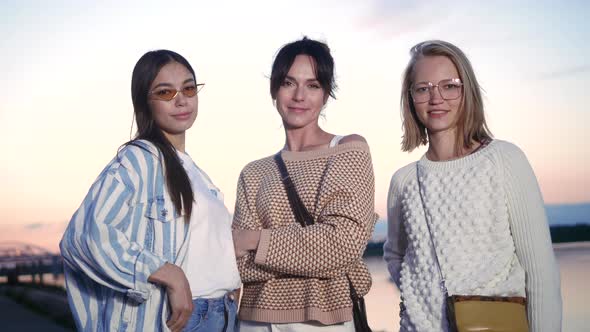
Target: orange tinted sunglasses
{"points": [[168, 94]]}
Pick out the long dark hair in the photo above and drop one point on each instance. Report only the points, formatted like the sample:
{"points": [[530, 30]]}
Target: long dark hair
{"points": [[144, 73]]}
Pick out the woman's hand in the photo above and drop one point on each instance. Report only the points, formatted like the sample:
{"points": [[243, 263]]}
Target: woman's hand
{"points": [[179, 294], [245, 240], [235, 296]]}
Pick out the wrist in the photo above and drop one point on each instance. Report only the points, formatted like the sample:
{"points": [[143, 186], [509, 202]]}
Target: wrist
{"points": [[165, 275], [253, 240]]}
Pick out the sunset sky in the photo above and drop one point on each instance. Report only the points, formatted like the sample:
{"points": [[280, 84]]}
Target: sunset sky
{"points": [[65, 102]]}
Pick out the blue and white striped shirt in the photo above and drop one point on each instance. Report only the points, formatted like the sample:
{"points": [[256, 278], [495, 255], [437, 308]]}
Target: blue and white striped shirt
{"points": [[125, 229]]}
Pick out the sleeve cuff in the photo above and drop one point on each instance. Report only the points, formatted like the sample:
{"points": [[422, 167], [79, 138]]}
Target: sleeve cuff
{"points": [[263, 245], [146, 264]]}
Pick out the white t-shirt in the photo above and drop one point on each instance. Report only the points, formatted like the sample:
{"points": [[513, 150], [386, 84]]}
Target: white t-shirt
{"points": [[211, 267]]}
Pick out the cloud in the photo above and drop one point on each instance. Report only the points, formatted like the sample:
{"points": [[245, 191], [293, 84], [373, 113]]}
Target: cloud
{"points": [[396, 18], [566, 72], [43, 225], [35, 226]]}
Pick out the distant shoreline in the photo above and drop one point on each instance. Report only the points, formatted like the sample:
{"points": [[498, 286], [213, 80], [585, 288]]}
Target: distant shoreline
{"points": [[570, 233], [559, 234]]}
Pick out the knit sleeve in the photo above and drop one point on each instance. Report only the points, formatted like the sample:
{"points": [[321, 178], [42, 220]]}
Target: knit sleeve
{"points": [[337, 239], [244, 218], [396, 243], [532, 240]]}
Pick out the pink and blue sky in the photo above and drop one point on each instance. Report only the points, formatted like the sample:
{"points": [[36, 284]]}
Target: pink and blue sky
{"points": [[65, 104]]}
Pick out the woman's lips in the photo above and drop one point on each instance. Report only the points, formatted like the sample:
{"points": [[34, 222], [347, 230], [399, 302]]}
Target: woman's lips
{"points": [[437, 113], [182, 116], [297, 109]]}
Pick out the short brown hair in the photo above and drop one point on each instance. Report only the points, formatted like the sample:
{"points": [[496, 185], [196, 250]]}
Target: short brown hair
{"points": [[323, 64], [471, 124]]}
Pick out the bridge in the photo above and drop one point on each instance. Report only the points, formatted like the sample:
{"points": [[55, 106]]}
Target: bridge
{"points": [[22, 259]]}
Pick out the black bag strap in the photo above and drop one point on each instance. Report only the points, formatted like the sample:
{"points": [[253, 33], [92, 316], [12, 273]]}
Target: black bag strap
{"points": [[304, 218], [301, 214]]}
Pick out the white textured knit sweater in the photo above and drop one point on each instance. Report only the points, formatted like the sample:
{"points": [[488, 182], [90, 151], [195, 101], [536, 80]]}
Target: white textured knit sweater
{"points": [[490, 232]]}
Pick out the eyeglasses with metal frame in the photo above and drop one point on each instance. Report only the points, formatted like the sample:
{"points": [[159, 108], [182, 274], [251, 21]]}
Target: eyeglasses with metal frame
{"points": [[449, 89]]}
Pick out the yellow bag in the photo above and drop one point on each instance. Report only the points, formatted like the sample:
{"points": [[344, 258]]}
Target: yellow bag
{"points": [[470, 313]]}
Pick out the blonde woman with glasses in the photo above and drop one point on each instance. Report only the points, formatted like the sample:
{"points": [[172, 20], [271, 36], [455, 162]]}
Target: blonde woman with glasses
{"points": [[469, 214]]}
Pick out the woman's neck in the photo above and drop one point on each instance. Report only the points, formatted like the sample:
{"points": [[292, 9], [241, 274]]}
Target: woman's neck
{"points": [[441, 147], [306, 139], [177, 141]]}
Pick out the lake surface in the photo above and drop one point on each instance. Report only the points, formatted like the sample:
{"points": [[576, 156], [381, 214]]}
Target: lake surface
{"points": [[383, 299]]}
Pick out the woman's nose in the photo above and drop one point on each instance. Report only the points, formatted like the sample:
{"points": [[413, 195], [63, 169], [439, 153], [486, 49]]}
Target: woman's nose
{"points": [[299, 94]]}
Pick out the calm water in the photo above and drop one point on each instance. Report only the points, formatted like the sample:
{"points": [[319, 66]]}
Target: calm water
{"points": [[383, 299]]}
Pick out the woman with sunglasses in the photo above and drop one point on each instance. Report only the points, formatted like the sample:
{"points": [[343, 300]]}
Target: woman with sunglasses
{"points": [[295, 277], [139, 251], [471, 205]]}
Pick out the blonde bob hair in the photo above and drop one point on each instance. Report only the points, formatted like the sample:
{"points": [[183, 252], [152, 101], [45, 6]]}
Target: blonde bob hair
{"points": [[471, 124]]}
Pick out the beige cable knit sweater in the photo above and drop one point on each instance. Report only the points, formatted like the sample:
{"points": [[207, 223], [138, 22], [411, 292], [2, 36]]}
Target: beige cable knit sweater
{"points": [[298, 273]]}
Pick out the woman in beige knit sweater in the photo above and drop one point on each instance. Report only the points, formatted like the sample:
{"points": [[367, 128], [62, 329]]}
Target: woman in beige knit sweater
{"points": [[295, 278]]}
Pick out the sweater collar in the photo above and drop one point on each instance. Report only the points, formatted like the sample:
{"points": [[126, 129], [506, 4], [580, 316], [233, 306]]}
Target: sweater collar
{"points": [[455, 163], [324, 152]]}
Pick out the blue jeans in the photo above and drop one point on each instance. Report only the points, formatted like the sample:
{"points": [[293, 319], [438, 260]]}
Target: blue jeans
{"points": [[215, 315]]}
